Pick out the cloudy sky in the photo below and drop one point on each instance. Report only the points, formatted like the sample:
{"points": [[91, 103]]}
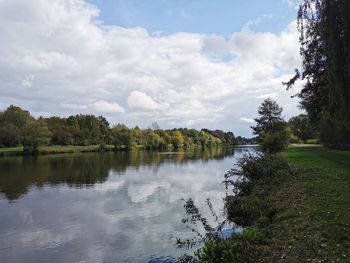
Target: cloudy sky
{"points": [[183, 63]]}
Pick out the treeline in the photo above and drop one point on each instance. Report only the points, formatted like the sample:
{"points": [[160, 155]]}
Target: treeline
{"points": [[19, 128], [246, 141]]}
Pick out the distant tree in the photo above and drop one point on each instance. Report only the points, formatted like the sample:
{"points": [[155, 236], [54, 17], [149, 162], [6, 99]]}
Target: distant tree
{"points": [[73, 121], [10, 135], [177, 139], [122, 137], [62, 133], [225, 137], [36, 133], [302, 127], [270, 127], [19, 127], [88, 129], [245, 141], [138, 135], [18, 117], [103, 125], [270, 119], [153, 140], [204, 138]]}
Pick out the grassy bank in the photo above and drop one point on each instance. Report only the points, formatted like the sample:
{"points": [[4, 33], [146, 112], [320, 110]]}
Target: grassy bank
{"points": [[55, 149], [312, 223], [294, 208]]}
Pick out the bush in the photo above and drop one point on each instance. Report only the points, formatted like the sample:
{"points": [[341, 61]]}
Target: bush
{"points": [[244, 211], [252, 180], [294, 139], [234, 249], [312, 141], [275, 142], [253, 167]]}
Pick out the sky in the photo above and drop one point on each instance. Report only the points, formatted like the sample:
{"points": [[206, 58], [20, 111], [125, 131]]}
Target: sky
{"points": [[180, 63]]}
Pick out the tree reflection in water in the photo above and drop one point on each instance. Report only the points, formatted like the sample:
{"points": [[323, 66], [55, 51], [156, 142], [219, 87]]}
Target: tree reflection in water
{"points": [[19, 174]]}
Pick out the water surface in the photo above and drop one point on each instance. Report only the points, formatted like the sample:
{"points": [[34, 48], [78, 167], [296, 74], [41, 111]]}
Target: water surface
{"points": [[111, 207]]}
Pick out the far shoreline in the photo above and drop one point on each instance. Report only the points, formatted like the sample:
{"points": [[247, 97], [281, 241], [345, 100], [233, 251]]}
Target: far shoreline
{"points": [[72, 149]]}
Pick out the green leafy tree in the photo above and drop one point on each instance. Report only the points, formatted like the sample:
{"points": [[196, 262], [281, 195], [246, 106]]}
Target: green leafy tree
{"points": [[270, 128], [62, 133], [122, 137], [10, 135], [21, 127], [153, 140], [18, 127], [18, 117], [270, 119], [177, 139], [302, 127], [36, 133], [324, 27]]}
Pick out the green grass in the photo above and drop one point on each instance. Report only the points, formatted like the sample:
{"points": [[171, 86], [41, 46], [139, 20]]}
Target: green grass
{"points": [[313, 222], [55, 149], [312, 204], [11, 149], [301, 210], [70, 148]]}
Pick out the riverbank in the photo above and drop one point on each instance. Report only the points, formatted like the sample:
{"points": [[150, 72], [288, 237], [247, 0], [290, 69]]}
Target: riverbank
{"points": [[55, 149], [294, 207], [312, 204], [60, 149]]}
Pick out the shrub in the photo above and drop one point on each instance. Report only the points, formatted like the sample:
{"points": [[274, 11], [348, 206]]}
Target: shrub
{"points": [[294, 139], [252, 179], [253, 167], [234, 249], [250, 206], [244, 211], [312, 141], [275, 142]]}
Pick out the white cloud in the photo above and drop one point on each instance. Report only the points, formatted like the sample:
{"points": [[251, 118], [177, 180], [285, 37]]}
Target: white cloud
{"points": [[108, 107], [81, 65], [138, 99], [245, 119], [74, 106], [27, 81], [268, 95], [215, 46]]}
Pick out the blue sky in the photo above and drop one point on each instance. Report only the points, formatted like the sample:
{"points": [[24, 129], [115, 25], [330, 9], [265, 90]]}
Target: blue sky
{"points": [[221, 17]]}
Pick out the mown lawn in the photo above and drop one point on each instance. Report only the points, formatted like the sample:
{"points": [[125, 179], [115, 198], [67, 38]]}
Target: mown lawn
{"points": [[313, 222]]}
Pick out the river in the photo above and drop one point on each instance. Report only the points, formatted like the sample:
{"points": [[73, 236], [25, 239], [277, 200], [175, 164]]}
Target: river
{"points": [[110, 207]]}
